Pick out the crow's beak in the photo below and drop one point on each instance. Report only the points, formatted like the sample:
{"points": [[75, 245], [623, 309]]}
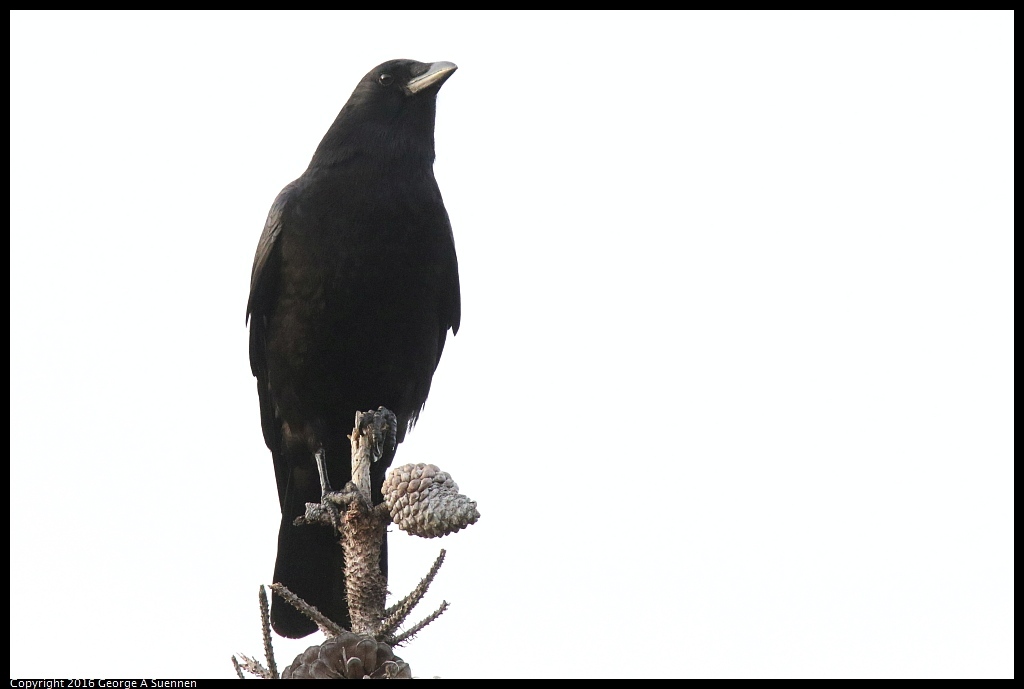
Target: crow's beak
{"points": [[436, 74]]}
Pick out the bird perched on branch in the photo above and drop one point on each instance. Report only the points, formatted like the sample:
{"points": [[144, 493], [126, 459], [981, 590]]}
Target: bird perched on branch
{"points": [[354, 287]]}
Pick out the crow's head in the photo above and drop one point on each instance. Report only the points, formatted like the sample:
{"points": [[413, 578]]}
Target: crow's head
{"points": [[407, 77], [393, 105]]}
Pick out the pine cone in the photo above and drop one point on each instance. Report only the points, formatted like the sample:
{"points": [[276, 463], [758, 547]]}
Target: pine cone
{"points": [[348, 656], [426, 502]]}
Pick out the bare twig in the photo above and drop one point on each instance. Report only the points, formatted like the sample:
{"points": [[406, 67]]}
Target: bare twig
{"points": [[326, 625], [268, 648], [238, 670], [397, 613], [400, 639], [253, 667]]}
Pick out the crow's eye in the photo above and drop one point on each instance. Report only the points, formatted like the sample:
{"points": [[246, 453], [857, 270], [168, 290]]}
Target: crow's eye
{"points": [[385, 79]]}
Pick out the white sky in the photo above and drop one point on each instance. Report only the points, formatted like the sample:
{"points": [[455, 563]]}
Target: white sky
{"points": [[734, 385]]}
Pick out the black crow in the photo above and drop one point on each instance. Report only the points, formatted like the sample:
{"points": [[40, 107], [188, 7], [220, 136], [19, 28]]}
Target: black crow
{"points": [[354, 288]]}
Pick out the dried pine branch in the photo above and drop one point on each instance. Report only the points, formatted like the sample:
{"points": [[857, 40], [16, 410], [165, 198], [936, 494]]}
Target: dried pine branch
{"points": [[327, 626], [426, 503], [397, 613], [399, 639], [253, 667], [238, 670], [268, 648]]}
